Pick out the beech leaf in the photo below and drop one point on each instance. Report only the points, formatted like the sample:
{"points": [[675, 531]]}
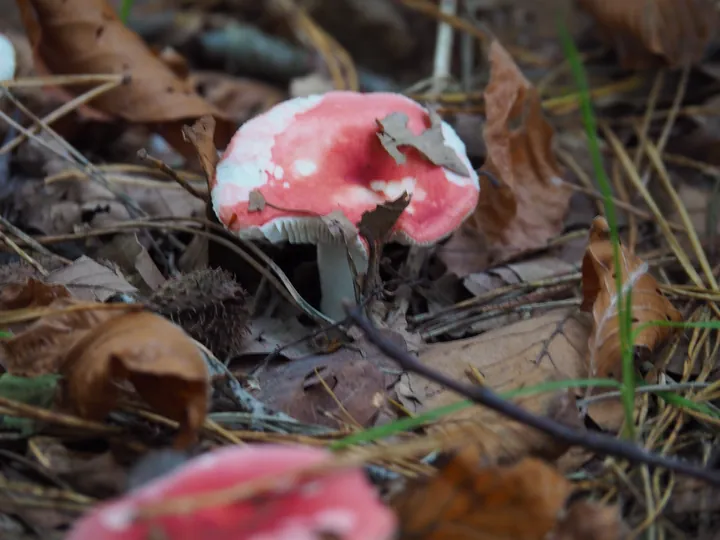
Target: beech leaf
{"points": [[163, 364], [600, 297], [528, 208]]}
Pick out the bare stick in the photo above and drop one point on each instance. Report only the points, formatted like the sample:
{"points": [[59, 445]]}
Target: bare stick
{"points": [[164, 167]]}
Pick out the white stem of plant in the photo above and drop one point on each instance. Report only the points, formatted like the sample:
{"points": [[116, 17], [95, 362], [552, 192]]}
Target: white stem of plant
{"points": [[337, 282], [443, 46]]}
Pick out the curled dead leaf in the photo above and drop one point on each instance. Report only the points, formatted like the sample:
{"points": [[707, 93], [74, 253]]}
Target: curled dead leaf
{"points": [[38, 348], [158, 358], [528, 208], [600, 297], [201, 136], [31, 293], [465, 501], [87, 37], [645, 31]]}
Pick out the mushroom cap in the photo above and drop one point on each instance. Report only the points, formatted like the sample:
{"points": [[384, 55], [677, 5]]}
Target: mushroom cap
{"points": [[320, 154], [8, 62], [343, 504]]}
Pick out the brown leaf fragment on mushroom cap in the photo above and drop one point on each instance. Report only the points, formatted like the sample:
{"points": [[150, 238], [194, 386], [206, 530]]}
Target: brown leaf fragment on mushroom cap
{"points": [[256, 201], [376, 224], [394, 133], [528, 208]]}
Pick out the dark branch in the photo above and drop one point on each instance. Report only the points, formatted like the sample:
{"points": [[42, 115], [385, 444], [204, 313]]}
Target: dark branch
{"points": [[597, 442]]}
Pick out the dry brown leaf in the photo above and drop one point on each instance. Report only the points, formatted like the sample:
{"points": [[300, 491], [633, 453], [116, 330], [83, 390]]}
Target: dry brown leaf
{"points": [[239, 98], [467, 502], [201, 136], [600, 297], [377, 224], [549, 347], [39, 348], [163, 364], [89, 280], [356, 383], [31, 293], [87, 37], [645, 31], [528, 208]]}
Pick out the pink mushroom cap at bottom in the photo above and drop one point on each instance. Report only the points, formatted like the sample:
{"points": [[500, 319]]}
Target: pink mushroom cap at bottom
{"points": [[343, 504]]}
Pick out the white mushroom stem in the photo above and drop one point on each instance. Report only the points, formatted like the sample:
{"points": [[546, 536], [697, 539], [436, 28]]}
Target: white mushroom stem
{"points": [[337, 281]]}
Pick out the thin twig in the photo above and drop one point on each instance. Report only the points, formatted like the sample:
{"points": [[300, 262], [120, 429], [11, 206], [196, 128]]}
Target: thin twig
{"points": [[23, 254], [482, 395], [164, 167]]}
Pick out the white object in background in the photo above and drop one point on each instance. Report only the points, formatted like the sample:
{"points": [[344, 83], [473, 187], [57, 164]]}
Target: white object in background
{"points": [[7, 59]]}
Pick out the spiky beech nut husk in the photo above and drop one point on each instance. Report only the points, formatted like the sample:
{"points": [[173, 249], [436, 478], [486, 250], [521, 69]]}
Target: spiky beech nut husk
{"points": [[209, 305]]}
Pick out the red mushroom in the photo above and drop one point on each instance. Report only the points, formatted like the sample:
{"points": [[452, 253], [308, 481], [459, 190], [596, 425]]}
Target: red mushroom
{"points": [[313, 156], [342, 505]]}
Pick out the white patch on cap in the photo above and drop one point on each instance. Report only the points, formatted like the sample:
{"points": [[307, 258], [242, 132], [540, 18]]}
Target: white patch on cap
{"points": [[117, 518], [392, 189], [304, 167], [453, 141], [250, 164], [337, 521], [352, 195], [205, 461]]}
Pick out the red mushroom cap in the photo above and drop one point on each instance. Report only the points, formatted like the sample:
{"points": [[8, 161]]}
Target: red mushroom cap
{"points": [[343, 504], [321, 154]]}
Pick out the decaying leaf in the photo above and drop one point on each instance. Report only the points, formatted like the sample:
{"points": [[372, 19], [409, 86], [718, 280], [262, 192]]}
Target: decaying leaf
{"points": [[95, 474], [527, 353], [89, 280], [256, 201], [347, 389], [202, 137], [239, 98], [644, 32], [394, 134], [467, 502], [87, 37], [600, 297], [37, 348], [31, 293], [377, 224], [165, 367], [528, 208]]}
